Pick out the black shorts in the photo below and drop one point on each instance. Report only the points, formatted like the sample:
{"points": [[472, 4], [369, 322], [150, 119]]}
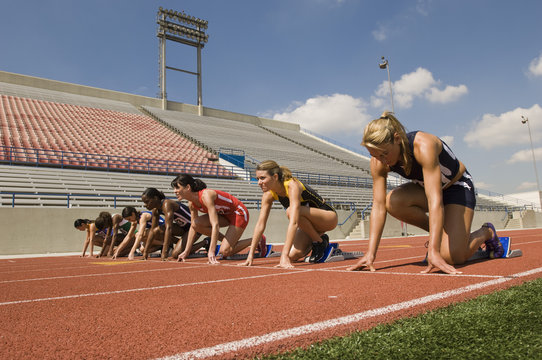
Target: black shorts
{"points": [[461, 192]]}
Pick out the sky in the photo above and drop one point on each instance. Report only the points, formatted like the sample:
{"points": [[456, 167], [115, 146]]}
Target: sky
{"points": [[464, 70]]}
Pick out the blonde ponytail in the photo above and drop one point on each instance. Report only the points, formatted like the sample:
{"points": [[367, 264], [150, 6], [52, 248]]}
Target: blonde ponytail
{"points": [[382, 131], [273, 168]]}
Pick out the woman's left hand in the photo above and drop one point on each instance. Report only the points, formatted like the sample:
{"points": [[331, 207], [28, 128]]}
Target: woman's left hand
{"points": [[212, 259], [434, 260]]}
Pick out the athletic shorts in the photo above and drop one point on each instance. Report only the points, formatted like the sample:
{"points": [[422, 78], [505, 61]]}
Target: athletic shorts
{"points": [[239, 218], [461, 192]]}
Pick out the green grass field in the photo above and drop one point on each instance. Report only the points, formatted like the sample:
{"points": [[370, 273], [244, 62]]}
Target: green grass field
{"points": [[503, 325]]}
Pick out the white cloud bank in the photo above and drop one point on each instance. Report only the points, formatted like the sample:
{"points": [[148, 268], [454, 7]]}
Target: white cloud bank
{"points": [[506, 129], [340, 113], [535, 67], [334, 114], [417, 84], [525, 156]]}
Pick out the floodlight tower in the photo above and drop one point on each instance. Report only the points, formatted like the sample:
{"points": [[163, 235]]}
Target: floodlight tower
{"points": [[183, 29], [526, 121], [386, 65]]}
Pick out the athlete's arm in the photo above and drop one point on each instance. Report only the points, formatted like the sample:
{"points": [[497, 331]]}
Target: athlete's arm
{"points": [[267, 203], [379, 172], [427, 147], [208, 199]]}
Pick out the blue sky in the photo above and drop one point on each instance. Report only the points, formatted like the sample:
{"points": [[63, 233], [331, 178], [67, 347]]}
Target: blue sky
{"points": [[463, 70]]}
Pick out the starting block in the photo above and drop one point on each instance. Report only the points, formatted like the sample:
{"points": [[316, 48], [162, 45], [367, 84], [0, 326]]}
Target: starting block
{"points": [[269, 253], [333, 253], [506, 242]]}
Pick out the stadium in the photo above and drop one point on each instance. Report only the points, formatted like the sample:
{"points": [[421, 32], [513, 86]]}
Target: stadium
{"points": [[70, 151]]}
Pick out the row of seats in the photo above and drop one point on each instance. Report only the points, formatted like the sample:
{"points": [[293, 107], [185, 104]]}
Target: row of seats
{"points": [[37, 124], [49, 187], [258, 143]]}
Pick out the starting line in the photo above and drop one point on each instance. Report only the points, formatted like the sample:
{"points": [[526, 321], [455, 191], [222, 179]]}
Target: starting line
{"points": [[332, 254]]}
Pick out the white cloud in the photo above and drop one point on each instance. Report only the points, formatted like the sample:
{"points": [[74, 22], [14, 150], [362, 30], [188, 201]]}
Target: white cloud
{"points": [[483, 185], [505, 129], [380, 34], [334, 114], [449, 140], [449, 94], [535, 67], [525, 156], [422, 7], [526, 185], [417, 84]]}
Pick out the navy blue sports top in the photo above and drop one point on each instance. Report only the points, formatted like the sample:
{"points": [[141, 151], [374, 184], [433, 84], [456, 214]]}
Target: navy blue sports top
{"points": [[181, 216], [449, 164]]}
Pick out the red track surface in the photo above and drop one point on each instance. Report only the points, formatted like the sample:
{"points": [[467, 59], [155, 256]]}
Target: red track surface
{"points": [[74, 308]]}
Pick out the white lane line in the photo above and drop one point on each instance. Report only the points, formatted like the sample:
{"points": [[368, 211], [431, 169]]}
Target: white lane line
{"points": [[145, 289], [97, 274], [323, 325], [414, 274]]}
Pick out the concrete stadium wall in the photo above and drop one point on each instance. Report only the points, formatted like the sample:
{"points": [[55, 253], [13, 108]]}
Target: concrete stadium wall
{"points": [[43, 231]]}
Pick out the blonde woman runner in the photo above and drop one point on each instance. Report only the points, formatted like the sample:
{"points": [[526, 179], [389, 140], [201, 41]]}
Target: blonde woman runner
{"points": [[309, 215], [440, 198]]}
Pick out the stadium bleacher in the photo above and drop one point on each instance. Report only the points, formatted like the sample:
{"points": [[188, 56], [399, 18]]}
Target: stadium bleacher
{"points": [[37, 124], [46, 187], [258, 143]]}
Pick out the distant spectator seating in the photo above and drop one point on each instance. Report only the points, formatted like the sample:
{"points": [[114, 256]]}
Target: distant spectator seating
{"points": [[24, 186], [71, 131], [258, 143]]}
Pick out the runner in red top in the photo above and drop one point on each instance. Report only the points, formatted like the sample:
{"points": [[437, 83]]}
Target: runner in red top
{"points": [[219, 209], [227, 205]]}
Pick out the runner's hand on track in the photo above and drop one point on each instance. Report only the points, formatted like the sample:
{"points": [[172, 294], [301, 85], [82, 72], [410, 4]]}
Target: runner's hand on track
{"points": [[434, 260], [248, 262], [212, 259], [182, 256], [365, 261], [284, 263]]}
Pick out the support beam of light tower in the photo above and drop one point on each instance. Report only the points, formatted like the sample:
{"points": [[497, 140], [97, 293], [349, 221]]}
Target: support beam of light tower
{"points": [[386, 65], [184, 29], [526, 121]]}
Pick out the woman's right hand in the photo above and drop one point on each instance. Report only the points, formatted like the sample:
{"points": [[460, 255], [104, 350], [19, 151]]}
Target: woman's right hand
{"points": [[366, 261], [182, 256], [248, 261], [285, 263]]}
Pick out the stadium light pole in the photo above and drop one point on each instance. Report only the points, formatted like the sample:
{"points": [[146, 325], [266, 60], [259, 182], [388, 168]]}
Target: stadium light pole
{"points": [[386, 65], [526, 121], [184, 29]]}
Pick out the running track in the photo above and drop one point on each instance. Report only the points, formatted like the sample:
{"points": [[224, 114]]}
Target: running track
{"points": [[74, 308]]}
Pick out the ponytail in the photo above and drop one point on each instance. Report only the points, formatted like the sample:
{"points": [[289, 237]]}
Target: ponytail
{"points": [[186, 179], [273, 168], [128, 211], [382, 131], [153, 192], [80, 222], [104, 220]]}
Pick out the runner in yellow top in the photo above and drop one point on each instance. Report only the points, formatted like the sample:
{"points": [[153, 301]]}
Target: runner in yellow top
{"points": [[310, 216]]}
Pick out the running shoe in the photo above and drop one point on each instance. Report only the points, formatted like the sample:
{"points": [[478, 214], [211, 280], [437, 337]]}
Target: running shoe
{"points": [[493, 245], [263, 246], [319, 249]]}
